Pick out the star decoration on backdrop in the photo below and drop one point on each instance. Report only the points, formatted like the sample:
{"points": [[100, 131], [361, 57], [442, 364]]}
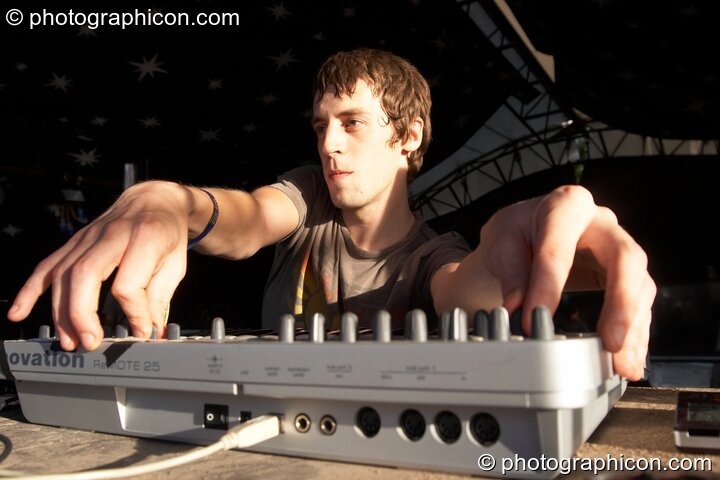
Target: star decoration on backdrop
{"points": [[695, 105], [216, 84], [148, 67], [268, 99], [210, 135], [86, 31], [99, 121], [440, 44], [284, 59], [149, 122], [11, 230], [59, 82], [435, 81], [461, 120], [86, 159], [627, 75], [279, 11]]}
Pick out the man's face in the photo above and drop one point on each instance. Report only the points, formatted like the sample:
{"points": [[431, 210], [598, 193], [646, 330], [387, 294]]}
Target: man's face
{"points": [[353, 134]]}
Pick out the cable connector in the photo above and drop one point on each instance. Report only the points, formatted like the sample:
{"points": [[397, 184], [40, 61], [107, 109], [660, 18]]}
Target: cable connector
{"points": [[251, 432]]}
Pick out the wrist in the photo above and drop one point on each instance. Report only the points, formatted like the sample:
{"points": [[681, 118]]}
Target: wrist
{"points": [[159, 195], [191, 206]]}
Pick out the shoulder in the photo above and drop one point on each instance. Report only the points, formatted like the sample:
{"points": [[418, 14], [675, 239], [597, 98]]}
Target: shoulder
{"points": [[301, 178], [304, 185], [451, 246], [431, 251]]}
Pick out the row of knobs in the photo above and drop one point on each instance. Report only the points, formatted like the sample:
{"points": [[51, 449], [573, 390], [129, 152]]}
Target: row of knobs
{"points": [[495, 325], [172, 331]]}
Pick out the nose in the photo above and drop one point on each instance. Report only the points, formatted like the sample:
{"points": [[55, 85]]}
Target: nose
{"points": [[332, 140]]}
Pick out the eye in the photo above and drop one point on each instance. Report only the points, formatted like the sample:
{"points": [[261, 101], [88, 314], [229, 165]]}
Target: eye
{"points": [[352, 123], [319, 128]]}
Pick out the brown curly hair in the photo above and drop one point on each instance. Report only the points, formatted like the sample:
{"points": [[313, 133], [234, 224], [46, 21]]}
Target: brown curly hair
{"points": [[404, 94]]}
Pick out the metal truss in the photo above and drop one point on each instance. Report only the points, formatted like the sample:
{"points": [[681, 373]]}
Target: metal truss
{"points": [[512, 143], [555, 147], [530, 132]]}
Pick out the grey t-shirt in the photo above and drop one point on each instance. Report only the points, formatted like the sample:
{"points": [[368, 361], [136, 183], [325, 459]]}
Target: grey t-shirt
{"points": [[318, 268]]}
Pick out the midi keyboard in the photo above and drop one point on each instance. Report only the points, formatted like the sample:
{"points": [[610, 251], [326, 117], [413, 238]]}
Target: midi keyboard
{"points": [[413, 399]]}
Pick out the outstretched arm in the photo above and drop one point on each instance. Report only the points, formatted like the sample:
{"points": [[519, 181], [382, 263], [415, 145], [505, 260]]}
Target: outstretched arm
{"points": [[531, 251], [144, 235]]}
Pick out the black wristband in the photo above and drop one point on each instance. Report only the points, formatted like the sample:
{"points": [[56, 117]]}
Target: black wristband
{"points": [[211, 223]]}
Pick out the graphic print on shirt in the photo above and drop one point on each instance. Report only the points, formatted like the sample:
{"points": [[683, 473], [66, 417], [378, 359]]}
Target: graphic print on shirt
{"points": [[309, 298]]}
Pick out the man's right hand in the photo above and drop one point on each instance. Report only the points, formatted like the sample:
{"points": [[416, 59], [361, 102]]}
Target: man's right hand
{"points": [[144, 235]]}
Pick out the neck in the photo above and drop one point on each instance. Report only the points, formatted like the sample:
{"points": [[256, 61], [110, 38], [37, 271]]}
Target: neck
{"points": [[375, 227]]}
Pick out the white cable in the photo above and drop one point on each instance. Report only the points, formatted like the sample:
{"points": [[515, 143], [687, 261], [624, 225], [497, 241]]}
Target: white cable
{"points": [[244, 435]]}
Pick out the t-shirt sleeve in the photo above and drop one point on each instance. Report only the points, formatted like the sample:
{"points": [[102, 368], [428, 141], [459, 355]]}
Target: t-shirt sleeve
{"points": [[447, 248], [422, 264], [440, 251], [303, 186]]}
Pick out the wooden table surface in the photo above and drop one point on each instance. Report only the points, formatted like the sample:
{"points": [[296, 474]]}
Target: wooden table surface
{"points": [[640, 426]]}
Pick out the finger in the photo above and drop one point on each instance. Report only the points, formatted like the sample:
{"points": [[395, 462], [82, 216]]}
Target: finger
{"points": [[143, 259], [59, 276], [513, 299], [562, 218], [60, 281], [63, 328], [39, 281], [629, 361], [507, 254], [80, 279], [162, 286], [624, 322], [629, 290]]}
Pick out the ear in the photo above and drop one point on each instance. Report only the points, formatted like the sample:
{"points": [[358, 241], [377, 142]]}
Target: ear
{"points": [[414, 136]]}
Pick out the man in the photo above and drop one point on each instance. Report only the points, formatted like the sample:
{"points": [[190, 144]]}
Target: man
{"points": [[348, 230]]}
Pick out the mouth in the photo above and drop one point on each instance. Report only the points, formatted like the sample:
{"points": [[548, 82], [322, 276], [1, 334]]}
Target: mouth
{"points": [[337, 175]]}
